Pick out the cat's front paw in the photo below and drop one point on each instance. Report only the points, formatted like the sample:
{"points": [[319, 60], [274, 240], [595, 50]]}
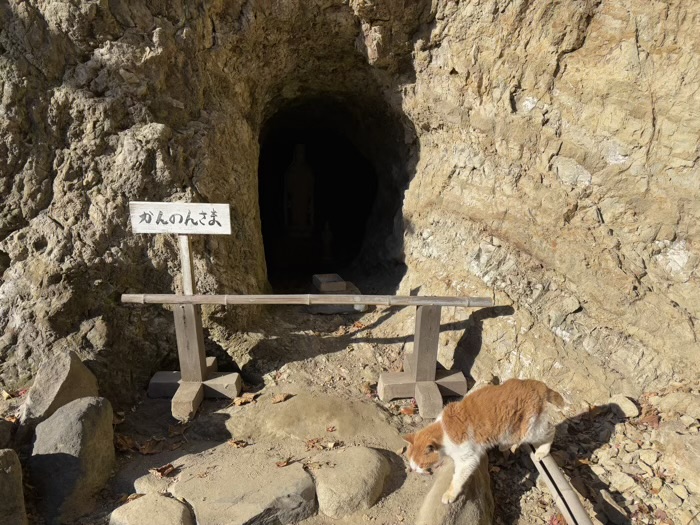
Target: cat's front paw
{"points": [[449, 497]]}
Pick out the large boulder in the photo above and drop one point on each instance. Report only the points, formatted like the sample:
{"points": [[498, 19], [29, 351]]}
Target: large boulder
{"points": [[355, 483], [231, 486], [474, 506], [154, 509], [61, 379], [72, 458], [12, 510]]}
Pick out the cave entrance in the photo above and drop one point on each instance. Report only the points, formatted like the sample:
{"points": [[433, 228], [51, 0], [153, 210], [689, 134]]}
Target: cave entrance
{"points": [[319, 179]]}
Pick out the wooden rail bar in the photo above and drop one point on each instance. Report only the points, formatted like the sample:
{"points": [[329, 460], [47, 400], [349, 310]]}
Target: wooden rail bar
{"points": [[386, 300]]}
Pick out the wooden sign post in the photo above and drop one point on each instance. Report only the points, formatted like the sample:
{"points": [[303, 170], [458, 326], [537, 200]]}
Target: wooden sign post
{"points": [[198, 376]]}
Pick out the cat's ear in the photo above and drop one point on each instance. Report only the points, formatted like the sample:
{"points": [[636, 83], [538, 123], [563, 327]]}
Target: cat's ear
{"points": [[409, 438]]}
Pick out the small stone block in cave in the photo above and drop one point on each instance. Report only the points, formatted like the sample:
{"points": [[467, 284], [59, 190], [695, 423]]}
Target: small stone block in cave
{"points": [[329, 282]]}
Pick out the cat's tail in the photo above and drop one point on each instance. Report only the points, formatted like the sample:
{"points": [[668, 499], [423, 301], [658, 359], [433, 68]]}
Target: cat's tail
{"points": [[555, 398]]}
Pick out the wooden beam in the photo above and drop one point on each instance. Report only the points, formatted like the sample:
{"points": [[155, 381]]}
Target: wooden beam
{"points": [[186, 400], [428, 399], [423, 360], [381, 300]]}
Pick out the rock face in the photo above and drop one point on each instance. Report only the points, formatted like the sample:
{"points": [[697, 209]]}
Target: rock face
{"points": [[355, 483], [548, 155], [152, 508], [61, 379], [72, 458], [11, 489], [474, 506]]}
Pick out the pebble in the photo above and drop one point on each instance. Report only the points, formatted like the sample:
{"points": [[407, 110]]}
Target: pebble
{"points": [[680, 491], [688, 421], [649, 457], [656, 484], [669, 497], [626, 405], [631, 447], [622, 482]]}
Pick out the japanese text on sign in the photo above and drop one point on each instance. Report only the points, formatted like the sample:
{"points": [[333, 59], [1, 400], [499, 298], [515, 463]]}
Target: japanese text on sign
{"points": [[179, 217]]}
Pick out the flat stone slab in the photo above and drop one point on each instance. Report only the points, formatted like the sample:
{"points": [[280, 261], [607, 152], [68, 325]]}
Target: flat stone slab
{"points": [[306, 416], [154, 509], [354, 483], [236, 486]]}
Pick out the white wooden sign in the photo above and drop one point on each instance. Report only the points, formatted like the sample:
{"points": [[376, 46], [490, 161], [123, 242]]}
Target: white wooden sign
{"points": [[180, 217]]}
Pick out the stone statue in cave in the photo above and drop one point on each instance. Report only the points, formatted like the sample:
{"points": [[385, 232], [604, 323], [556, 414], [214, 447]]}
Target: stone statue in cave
{"points": [[299, 195]]}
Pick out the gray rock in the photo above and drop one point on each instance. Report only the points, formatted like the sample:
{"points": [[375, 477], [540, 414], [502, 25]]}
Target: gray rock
{"points": [[474, 506], [229, 486], [649, 457], [149, 484], [670, 499], [72, 458], [624, 405], [154, 509], [356, 482], [12, 510], [5, 433], [621, 481], [61, 379]]}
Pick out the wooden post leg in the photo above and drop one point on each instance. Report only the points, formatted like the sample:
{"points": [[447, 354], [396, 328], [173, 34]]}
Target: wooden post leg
{"points": [[423, 360], [418, 378], [190, 342]]}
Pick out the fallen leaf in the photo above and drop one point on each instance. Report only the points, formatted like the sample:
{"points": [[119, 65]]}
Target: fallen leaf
{"points": [[12, 419], [358, 325], [366, 388], [238, 443], [312, 443], [333, 444], [330, 429], [124, 443], [165, 471], [652, 420], [409, 411], [175, 446], [248, 397], [284, 462], [152, 446], [401, 450], [495, 469], [6, 395], [118, 418], [279, 398], [22, 392]]}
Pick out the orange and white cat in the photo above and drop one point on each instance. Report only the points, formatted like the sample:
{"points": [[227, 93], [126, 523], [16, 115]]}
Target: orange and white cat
{"points": [[516, 412]]}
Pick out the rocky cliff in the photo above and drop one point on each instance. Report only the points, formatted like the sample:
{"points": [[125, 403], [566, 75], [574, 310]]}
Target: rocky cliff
{"points": [[543, 152]]}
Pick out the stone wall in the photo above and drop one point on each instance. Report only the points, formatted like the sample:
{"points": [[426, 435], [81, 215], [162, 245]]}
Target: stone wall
{"points": [[551, 149]]}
